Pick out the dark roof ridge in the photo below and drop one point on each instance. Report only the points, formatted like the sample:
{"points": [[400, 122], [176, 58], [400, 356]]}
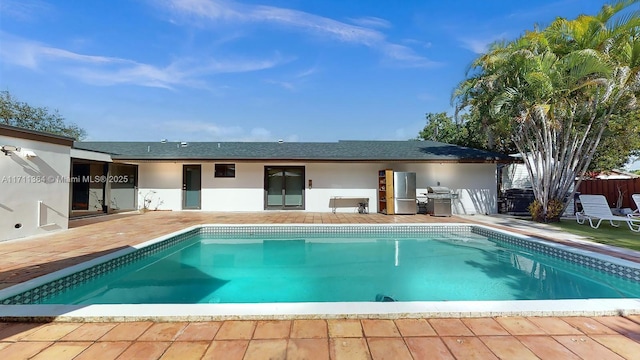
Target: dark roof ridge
{"points": [[362, 150]]}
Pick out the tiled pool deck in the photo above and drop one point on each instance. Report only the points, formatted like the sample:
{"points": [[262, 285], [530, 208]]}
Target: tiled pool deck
{"points": [[614, 337]]}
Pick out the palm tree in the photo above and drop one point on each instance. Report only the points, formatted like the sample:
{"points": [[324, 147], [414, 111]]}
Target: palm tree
{"points": [[554, 90]]}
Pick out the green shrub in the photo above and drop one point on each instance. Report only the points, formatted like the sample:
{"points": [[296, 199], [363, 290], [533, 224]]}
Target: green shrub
{"points": [[554, 211]]}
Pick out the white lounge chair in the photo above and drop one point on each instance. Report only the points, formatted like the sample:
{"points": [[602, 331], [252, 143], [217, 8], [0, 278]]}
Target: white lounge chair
{"points": [[636, 212], [595, 207]]}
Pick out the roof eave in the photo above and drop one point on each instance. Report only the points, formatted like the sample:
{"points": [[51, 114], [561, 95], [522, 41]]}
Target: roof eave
{"points": [[272, 159], [41, 136]]}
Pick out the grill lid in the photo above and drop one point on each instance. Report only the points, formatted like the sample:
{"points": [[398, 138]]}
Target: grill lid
{"points": [[438, 190]]}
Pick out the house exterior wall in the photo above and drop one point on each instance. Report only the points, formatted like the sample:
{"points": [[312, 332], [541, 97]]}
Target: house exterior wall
{"points": [[475, 184], [161, 184], [34, 191], [245, 192], [340, 179], [90, 155], [515, 176]]}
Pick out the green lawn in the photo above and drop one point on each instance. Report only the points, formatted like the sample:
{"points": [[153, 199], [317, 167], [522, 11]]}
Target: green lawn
{"points": [[605, 234]]}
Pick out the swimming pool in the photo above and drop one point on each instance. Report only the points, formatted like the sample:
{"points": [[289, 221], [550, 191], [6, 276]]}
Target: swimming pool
{"points": [[298, 265]]}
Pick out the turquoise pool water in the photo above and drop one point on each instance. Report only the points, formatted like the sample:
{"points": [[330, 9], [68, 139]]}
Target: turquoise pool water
{"points": [[295, 268]]}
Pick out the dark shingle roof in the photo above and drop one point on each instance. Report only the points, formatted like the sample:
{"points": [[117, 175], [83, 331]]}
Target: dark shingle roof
{"points": [[312, 151]]}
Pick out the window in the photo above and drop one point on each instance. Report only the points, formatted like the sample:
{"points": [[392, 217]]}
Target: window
{"points": [[226, 170]]}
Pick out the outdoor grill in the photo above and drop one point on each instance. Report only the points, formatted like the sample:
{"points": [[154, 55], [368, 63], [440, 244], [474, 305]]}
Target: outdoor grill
{"points": [[439, 200]]}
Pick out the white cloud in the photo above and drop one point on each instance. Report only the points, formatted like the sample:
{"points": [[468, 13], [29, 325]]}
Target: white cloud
{"points": [[316, 24], [231, 11], [405, 134], [259, 134], [283, 84], [480, 45], [424, 44], [103, 70], [371, 21], [406, 56], [216, 11], [239, 65], [293, 82], [60, 54], [31, 54], [24, 10], [409, 131], [187, 129], [308, 72], [195, 130]]}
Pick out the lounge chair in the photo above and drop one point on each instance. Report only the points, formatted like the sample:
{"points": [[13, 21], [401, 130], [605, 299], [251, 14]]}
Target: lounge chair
{"points": [[595, 207], [636, 212]]}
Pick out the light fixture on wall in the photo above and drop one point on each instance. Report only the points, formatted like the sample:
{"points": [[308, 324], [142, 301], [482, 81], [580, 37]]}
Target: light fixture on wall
{"points": [[7, 149], [310, 183]]}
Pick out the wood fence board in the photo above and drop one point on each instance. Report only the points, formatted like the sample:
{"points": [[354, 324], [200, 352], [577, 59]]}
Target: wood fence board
{"points": [[609, 188]]}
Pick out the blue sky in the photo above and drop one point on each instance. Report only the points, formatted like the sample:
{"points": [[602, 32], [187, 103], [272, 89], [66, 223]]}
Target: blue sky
{"points": [[209, 70]]}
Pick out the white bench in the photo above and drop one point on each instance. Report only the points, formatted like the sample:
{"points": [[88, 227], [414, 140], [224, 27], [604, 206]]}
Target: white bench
{"points": [[361, 203]]}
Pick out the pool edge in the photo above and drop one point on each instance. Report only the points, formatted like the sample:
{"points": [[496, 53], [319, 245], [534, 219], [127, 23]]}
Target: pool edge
{"points": [[337, 310]]}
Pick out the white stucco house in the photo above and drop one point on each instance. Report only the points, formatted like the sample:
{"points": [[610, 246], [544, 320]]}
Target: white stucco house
{"points": [[263, 176], [34, 198], [106, 177]]}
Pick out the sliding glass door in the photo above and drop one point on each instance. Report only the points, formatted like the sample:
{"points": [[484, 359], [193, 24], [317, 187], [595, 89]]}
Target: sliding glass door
{"points": [[284, 187], [124, 189]]}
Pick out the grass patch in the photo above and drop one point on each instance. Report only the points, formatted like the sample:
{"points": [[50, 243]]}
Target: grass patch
{"points": [[620, 236]]}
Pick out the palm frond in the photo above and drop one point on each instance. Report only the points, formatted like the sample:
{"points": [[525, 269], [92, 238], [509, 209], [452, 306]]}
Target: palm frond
{"points": [[502, 100], [584, 63], [634, 54]]}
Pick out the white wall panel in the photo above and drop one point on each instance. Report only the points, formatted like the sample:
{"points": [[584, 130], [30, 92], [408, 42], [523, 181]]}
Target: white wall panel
{"points": [[474, 183], [161, 183], [34, 191]]}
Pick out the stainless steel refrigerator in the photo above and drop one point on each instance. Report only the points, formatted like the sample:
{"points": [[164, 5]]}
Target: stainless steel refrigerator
{"points": [[404, 192]]}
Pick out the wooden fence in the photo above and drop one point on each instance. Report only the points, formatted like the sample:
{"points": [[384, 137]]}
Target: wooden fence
{"points": [[610, 189]]}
